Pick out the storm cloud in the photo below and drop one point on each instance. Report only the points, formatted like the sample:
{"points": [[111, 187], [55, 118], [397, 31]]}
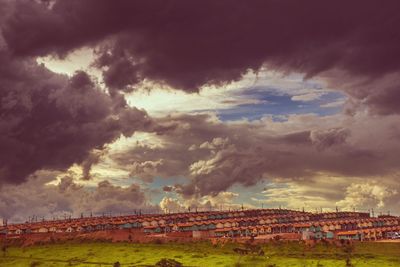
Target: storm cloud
{"points": [[68, 198], [186, 45], [216, 155], [50, 121]]}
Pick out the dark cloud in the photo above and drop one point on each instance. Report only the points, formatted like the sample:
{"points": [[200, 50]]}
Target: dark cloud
{"points": [[189, 44], [18, 202], [214, 155], [326, 138], [168, 188], [50, 121], [92, 159]]}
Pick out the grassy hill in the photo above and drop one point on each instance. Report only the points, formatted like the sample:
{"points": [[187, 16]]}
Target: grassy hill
{"points": [[201, 254]]}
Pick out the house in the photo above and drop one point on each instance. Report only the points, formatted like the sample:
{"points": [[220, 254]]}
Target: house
{"points": [[227, 224], [145, 224], [211, 226], [61, 229], [88, 228], [3, 230], [126, 225], [43, 229], [150, 229], [350, 235], [185, 227]]}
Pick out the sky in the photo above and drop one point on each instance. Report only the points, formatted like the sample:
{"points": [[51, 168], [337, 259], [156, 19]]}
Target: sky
{"points": [[165, 105]]}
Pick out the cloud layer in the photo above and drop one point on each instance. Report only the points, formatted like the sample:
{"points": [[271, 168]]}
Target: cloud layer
{"points": [[187, 45], [67, 198], [217, 155], [49, 121]]}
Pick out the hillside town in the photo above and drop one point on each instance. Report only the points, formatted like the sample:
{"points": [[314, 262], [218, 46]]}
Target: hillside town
{"points": [[263, 224]]}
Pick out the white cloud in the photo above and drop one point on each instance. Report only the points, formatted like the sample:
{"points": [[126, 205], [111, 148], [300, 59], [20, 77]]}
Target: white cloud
{"points": [[334, 104], [307, 97], [366, 195], [159, 100], [223, 200]]}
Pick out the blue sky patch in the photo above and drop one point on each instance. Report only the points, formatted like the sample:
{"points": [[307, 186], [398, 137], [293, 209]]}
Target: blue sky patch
{"points": [[272, 102]]}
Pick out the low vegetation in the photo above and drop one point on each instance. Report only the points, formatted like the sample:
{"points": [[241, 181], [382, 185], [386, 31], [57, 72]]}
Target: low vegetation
{"points": [[277, 254]]}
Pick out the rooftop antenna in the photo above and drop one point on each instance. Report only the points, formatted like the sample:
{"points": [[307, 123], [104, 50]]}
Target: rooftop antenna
{"points": [[372, 211]]}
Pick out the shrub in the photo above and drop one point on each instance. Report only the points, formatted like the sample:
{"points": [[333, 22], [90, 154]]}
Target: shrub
{"points": [[34, 264], [158, 241], [168, 263]]}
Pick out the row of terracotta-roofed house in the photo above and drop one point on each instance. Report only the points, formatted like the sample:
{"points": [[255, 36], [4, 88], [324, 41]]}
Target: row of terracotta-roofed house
{"points": [[90, 224], [311, 229], [351, 225]]}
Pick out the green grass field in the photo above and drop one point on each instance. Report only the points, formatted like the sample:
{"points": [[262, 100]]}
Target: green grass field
{"points": [[199, 254]]}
